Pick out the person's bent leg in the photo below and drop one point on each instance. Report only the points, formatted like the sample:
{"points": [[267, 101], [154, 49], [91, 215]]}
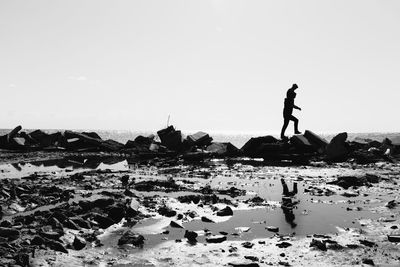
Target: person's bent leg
{"points": [[296, 124], [285, 125]]}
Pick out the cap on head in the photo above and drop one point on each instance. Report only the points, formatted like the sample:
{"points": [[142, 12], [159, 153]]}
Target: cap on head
{"points": [[294, 86]]}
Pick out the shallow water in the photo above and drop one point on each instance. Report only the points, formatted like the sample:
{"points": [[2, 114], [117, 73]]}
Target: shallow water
{"points": [[60, 167], [310, 215]]}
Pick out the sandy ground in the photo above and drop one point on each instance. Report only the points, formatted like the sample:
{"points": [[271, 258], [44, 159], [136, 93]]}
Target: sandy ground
{"points": [[323, 224]]}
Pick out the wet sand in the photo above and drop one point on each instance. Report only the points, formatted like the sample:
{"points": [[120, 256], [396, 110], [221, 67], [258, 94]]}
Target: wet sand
{"points": [[322, 224]]}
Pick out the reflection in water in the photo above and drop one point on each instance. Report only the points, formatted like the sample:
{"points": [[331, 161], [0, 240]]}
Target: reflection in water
{"points": [[288, 204]]}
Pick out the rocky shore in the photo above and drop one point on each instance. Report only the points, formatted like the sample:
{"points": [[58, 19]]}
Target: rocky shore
{"points": [[170, 200]]}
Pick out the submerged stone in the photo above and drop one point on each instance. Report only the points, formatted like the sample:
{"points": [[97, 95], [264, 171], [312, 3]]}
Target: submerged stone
{"points": [[132, 238]]}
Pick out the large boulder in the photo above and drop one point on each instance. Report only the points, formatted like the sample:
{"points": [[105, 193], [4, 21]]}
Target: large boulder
{"points": [[171, 138], [301, 144], [273, 151], [90, 141], [337, 150], [316, 141], [92, 134], [199, 139], [9, 233], [111, 145], [252, 147], [223, 149], [137, 146], [145, 140], [12, 141], [42, 138]]}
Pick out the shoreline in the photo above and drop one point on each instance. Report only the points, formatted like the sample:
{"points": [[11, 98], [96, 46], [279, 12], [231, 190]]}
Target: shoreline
{"points": [[126, 207]]}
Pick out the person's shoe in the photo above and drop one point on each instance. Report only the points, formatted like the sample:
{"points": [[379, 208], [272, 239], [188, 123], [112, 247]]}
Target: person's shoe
{"points": [[297, 132], [284, 138]]}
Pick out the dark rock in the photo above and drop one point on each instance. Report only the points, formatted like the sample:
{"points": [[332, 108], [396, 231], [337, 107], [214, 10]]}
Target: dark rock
{"points": [[102, 203], [171, 138], [227, 211], [233, 192], [368, 261], [55, 245], [22, 259], [165, 211], [116, 213], [125, 180], [372, 178], [130, 237], [9, 233], [111, 145], [205, 219], [247, 244], [318, 244], [223, 149], [253, 264], [189, 198], [216, 239], [56, 224], [252, 258], [53, 235], [7, 141], [103, 222], [59, 216], [392, 204], [316, 141], [301, 141], [334, 246], [199, 139], [92, 135], [79, 243], [368, 243], [44, 139], [137, 147], [191, 236], [337, 150], [283, 245], [157, 185], [273, 229], [174, 224], [145, 140], [71, 225], [6, 224], [256, 199], [37, 240], [394, 238], [252, 148], [348, 181]]}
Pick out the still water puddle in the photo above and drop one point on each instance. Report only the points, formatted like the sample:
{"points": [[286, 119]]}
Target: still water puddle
{"points": [[60, 167]]}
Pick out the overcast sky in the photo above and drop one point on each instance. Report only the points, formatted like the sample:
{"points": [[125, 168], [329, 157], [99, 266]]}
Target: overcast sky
{"points": [[220, 65]]}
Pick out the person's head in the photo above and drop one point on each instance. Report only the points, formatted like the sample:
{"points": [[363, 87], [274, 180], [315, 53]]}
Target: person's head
{"points": [[294, 86]]}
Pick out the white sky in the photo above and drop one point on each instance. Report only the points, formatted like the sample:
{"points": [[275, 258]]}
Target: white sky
{"points": [[220, 65]]}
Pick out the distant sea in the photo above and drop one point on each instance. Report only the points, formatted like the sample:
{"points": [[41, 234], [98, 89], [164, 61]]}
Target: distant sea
{"points": [[238, 139]]}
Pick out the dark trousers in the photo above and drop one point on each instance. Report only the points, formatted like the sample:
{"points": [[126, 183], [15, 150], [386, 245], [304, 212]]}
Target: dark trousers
{"points": [[287, 118]]}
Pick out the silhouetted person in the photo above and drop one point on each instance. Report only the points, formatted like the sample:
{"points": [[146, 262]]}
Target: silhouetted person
{"points": [[288, 110]]}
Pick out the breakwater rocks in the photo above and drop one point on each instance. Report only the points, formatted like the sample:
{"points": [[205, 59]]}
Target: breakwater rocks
{"points": [[74, 205], [170, 142]]}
